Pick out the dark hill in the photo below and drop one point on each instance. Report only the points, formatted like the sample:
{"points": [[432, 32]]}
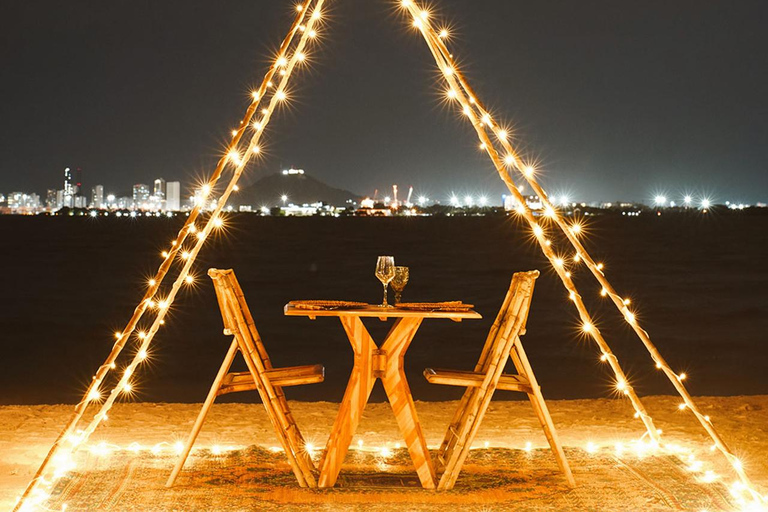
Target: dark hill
{"points": [[300, 189]]}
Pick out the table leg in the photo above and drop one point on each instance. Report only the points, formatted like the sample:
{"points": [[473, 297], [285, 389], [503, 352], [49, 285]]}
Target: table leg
{"points": [[401, 400], [355, 397]]}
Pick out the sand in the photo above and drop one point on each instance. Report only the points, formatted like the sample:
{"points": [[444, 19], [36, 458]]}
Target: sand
{"points": [[26, 432]]}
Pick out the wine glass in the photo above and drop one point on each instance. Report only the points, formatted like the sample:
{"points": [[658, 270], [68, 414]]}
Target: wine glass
{"points": [[399, 282], [385, 271]]}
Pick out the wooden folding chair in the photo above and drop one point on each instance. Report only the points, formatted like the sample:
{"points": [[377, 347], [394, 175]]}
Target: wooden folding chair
{"points": [[261, 376], [503, 341]]}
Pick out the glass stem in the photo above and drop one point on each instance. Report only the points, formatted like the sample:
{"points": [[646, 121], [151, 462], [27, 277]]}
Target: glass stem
{"points": [[384, 304]]}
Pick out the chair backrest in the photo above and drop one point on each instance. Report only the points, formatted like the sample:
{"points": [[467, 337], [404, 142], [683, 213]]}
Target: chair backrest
{"points": [[234, 310], [512, 315]]}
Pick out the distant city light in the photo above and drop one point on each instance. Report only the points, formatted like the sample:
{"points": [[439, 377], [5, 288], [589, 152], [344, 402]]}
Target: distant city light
{"points": [[660, 200], [454, 201], [468, 200], [687, 200], [483, 200]]}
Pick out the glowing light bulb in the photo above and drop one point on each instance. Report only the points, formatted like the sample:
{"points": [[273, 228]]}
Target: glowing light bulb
{"points": [[621, 385], [502, 134], [189, 279], [118, 335], [256, 150], [630, 317], [257, 125], [682, 376], [537, 230], [682, 406], [549, 211], [234, 156], [559, 262], [95, 394], [466, 110], [217, 222], [127, 388], [255, 95], [448, 71], [316, 15], [234, 132], [482, 146], [236, 187], [658, 365], [185, 255], [142, 354], [312, 33], [216, 449], [603, 292], [576, 228], [299, 8], [576, 258], [281, 62], [152, 282], [529, 171], [626, 302], [451, 93], [572, 295], [142, 334], [200, 235], [280, 95], [586, 327], [509, 160], [164, 254], [604, 357], [599, 266], [301, 57], [443, 34]]}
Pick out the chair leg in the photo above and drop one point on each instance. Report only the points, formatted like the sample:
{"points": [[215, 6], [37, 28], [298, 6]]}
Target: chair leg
{"points": [[523, 366], [300, 462], [203, 412], [478, 404]]}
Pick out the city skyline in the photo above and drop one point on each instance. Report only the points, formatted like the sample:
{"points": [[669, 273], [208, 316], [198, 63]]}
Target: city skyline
{"points": [[664, 106]]}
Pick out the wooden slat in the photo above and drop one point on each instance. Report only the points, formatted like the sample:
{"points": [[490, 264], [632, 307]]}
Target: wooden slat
{"points": [[282, 377], [379, 312], [507, 382]]}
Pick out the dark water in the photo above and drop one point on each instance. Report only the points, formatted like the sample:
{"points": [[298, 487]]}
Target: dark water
{"points": [[699, 285]]}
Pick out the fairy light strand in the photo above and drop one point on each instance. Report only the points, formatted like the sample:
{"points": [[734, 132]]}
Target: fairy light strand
{"points": [[584, 315], [170, 257], [457, 82]]}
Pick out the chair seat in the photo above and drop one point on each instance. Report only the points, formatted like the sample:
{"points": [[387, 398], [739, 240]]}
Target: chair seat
{"points": [[279, 377], [508, 382]]}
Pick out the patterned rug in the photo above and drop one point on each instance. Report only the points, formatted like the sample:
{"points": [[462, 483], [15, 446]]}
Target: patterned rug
{"points": [[492, 479]]}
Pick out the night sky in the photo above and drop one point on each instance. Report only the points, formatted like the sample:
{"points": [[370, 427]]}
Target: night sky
{"points": [[616, 99]]}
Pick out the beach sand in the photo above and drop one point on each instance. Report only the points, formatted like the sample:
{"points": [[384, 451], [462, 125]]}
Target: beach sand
{"points": [[26, 432]]}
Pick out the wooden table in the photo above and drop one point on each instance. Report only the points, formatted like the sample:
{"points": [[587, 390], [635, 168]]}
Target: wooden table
{"points": [[373, 362]]}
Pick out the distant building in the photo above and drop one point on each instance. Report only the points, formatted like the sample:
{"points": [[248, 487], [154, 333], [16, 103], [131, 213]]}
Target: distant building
{"points": [[68, 194], [124, 202], [159, 189], [140, 196], [81, 202], [22, 201], [97, 197], [172, 196], [51, 199]]}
